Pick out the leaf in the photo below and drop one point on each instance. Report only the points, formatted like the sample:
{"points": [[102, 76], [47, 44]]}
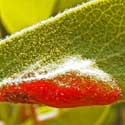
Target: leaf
{"points": [[8, 110], [112, 117], [60, 5], [79, 116], [74, 116], [15, 19], [97, 115], [94, 30], [19, 14]]}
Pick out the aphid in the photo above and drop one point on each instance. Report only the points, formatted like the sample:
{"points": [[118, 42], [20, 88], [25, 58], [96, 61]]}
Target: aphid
{"points": [[73, 83]]}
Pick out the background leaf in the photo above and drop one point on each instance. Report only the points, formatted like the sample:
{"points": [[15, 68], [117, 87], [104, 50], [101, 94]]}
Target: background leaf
{"points": [[17, 14], [60, 5], [97, 115], [85, 115]]}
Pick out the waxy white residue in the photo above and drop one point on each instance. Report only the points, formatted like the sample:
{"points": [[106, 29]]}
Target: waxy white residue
{"points": [[84, 67]]}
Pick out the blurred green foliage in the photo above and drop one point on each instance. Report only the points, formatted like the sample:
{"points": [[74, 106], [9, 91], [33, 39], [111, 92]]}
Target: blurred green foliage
{"points": [[17, 14]]}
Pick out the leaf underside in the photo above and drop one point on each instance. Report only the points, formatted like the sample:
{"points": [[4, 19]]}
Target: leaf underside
{"points": [[95, 30]]}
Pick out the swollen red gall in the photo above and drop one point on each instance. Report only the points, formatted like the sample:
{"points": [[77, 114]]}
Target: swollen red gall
{"points": [[74, 82]]}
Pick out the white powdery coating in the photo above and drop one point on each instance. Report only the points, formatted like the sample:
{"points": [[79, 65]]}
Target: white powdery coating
{"points": [[84, 67]]}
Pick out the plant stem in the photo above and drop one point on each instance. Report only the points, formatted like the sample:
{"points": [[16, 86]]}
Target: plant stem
{"points": [[34, 115], [24, 114]]}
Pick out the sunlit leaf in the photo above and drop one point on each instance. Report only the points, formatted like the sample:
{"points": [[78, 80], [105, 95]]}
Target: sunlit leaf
{"points": [[85, 115], [61, 5], [90, 116], [17, 14]]}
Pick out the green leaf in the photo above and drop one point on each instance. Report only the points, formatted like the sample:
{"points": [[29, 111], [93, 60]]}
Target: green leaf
{"points": [[80, 116], [75, 116], [112, 117], [60, 5], [19, 14], [7, 110], [93, 30], [97, 115]]}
